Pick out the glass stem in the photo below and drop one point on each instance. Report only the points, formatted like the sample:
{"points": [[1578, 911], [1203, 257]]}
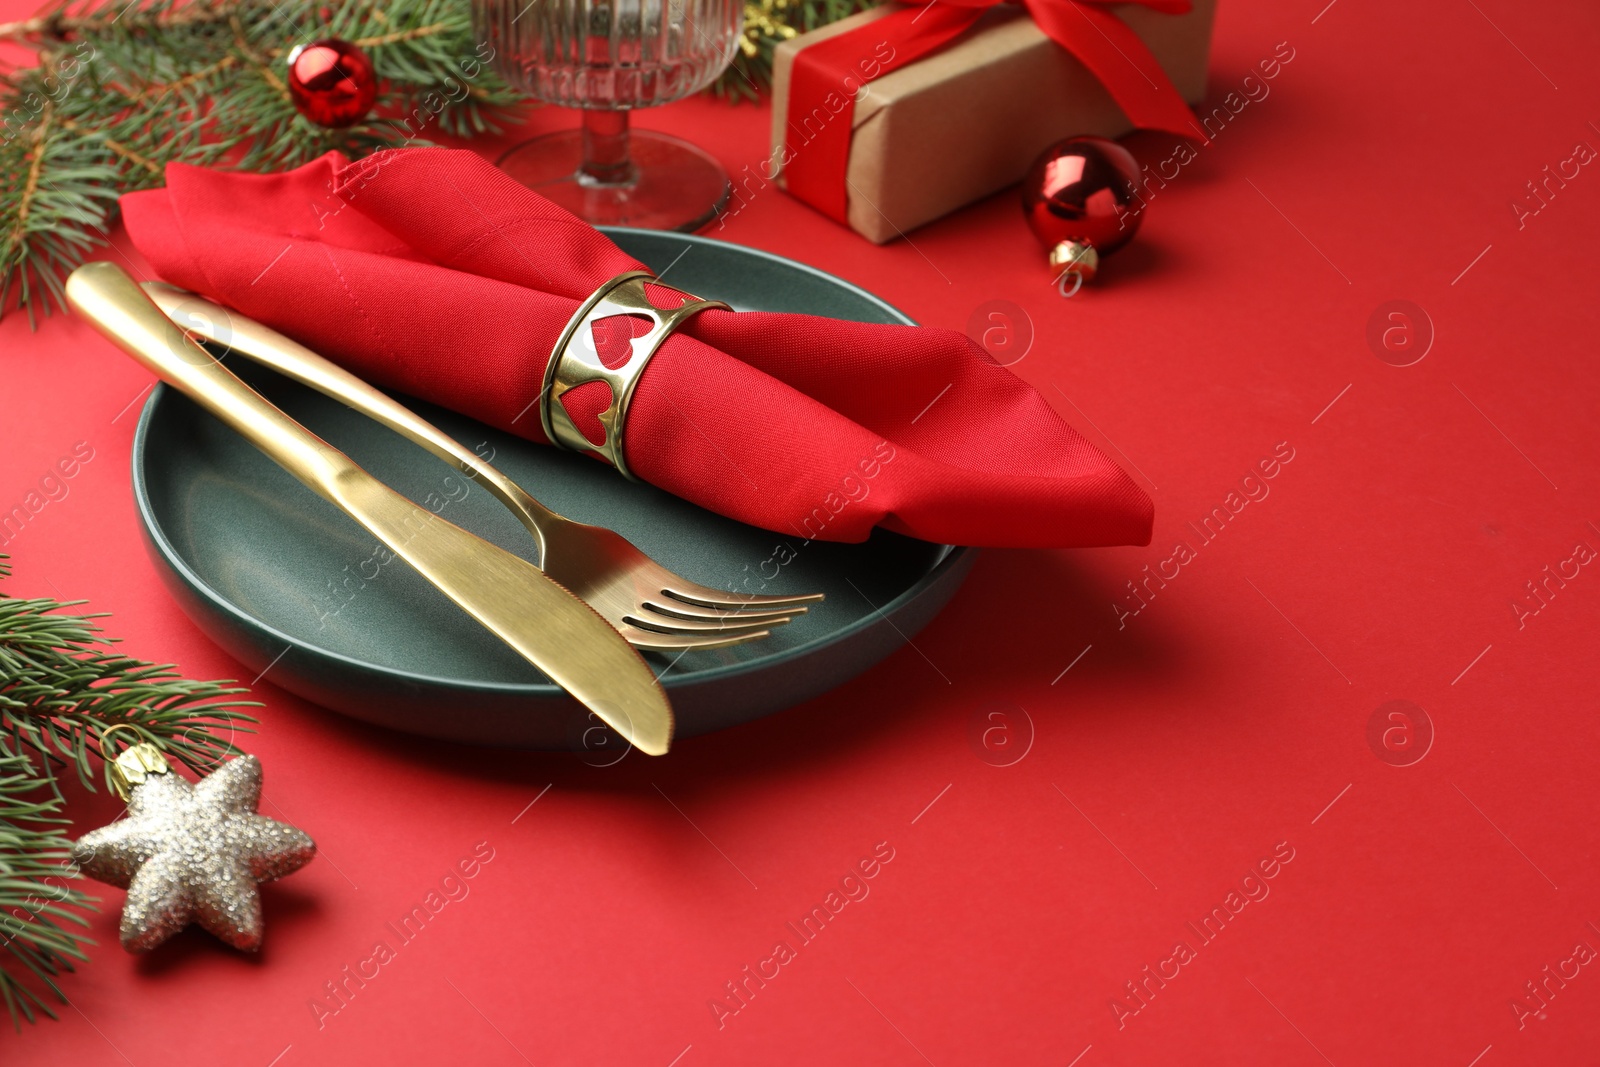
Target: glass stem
{"points": [[605, 148]]}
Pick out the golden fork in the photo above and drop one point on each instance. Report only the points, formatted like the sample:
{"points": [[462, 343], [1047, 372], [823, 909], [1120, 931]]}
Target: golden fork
{"points": [[651, 606]]}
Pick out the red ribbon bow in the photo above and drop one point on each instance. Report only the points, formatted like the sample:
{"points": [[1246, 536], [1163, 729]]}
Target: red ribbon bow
{"points": [[827, 75]]}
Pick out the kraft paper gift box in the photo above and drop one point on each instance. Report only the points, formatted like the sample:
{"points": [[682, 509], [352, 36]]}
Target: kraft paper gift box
{"points": [[969, 119]]}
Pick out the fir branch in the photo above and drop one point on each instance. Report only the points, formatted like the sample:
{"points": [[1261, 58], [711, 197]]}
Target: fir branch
{"points": [[30, 187], [35, 897], [115, 147], [767, 24], [401, 35], [59, 25], [61, 691], [122, 91]]}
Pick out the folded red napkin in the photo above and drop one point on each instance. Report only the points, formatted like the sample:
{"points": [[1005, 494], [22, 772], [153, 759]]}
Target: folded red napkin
{"points": [[429, 272]]}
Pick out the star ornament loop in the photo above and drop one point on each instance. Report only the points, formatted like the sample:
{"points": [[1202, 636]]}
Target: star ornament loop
{"points": [[194, 854]]}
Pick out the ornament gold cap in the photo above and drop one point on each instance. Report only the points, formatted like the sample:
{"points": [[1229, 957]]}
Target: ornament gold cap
{"points": [[1075, 257], [133, 764]]}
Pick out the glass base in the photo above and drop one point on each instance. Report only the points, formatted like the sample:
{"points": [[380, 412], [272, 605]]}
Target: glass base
{"points": [[674, 186]]}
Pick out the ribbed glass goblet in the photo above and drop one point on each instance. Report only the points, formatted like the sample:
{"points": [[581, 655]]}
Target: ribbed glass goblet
{"points": [[608, 57]]}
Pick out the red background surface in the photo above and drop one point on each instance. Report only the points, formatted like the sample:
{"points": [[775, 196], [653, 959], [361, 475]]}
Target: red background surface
{"points": [[1230, 715]]}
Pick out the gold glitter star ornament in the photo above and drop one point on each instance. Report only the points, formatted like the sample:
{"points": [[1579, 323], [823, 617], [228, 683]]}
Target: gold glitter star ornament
{"points": [[190, 853]]}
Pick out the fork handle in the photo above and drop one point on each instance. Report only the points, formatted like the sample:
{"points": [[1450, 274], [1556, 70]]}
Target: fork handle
{"points": [[262, 344]]}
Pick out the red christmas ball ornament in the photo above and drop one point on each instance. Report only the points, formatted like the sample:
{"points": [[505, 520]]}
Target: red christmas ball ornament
{"points": [[1076, 199], [332, 82]]}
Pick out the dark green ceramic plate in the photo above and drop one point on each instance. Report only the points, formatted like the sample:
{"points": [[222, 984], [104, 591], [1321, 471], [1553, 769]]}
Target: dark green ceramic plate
{"points": [[291, 587]]}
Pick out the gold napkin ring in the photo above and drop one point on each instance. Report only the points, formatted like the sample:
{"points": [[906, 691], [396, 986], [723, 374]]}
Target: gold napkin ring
{"points": [[575, 361]]}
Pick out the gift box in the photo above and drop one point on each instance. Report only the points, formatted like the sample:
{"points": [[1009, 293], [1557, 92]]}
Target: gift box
{"points": [[968, 118]]}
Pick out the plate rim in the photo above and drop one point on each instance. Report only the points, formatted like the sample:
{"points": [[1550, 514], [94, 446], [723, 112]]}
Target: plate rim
{"points": [[949, 555]]}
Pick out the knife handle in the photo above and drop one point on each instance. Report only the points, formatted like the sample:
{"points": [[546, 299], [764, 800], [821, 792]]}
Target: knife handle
{"points": [[113, 302]]}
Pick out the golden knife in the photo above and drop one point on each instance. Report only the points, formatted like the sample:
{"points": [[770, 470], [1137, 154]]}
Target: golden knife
{"points": [[549, 626]]}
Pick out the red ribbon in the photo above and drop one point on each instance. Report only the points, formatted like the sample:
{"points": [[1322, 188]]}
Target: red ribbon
{"points": [[826, 76]]}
